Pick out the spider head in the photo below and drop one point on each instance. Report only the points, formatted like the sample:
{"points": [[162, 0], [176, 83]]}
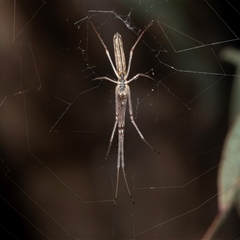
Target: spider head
{"points": [[121, 83]]}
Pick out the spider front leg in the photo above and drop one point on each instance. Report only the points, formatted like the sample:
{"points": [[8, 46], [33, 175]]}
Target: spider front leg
{"points": [[106, 50], [105, 78], [135, 44]]}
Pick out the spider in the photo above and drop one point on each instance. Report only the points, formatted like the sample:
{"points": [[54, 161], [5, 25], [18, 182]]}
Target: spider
{"points": [[122, 95]]}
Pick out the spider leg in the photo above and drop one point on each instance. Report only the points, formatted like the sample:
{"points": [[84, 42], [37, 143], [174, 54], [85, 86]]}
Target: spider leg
{"points": [[117, 182], [133, 47], [125, 179], [135, 125], [121, 161], [137, 76], [111, 139], [106, 50], [105, 78]]}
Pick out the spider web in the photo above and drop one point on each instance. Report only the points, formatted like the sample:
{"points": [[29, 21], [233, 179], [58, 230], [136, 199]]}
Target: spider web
{"points": [[56, 123]]}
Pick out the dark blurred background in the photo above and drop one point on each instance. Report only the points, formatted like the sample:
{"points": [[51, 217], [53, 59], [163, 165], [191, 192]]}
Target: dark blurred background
{"points": [[56, 123]]}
